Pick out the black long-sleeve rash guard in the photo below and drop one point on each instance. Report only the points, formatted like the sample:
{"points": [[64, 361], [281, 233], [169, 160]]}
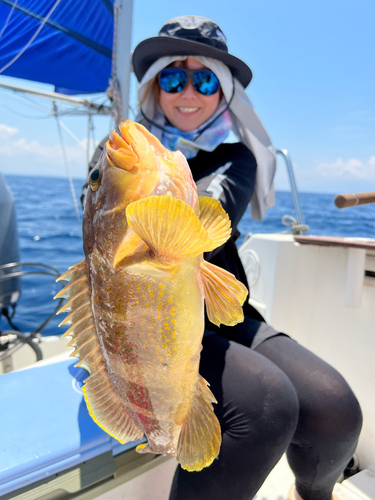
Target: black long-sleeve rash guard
{"points": [[228, 175]]}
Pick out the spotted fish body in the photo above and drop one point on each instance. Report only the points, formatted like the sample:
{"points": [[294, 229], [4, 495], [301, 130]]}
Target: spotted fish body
{"points": [[137, 300]]}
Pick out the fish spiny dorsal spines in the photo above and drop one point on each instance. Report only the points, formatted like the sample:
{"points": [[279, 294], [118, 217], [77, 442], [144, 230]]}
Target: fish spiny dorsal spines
{"points": [[81, 266], [81, 325], [82, 339], [77, 298], [77, 313], [102, 401], [90, 356], [69, 290]]}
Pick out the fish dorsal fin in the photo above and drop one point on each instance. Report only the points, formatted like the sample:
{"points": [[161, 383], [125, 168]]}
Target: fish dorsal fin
{"points": [[200, 437], [215, 220], [170, 228], [102, 401], [224, 295]]}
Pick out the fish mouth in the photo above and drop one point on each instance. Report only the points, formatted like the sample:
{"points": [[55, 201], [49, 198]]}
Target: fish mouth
{"points": [[120, 150]]}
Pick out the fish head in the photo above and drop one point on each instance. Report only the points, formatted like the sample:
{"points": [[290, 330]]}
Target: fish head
{"points": [[133, 165], [175, 178]]}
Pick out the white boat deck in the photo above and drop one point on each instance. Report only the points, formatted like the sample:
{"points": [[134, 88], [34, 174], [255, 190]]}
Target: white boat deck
{"points": [[155, 484]]}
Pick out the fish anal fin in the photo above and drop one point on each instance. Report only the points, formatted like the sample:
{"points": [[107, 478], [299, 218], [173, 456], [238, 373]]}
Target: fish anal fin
{"points": [[200, 437], [169, 227], [107, 410], [224, 295], [215, 220]]}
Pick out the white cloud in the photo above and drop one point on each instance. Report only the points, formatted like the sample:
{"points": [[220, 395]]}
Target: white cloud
{"points": [[6, 131], [32, 157], [40, 151], [350, 169]]}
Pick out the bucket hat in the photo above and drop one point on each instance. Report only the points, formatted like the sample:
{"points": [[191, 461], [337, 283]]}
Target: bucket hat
{"points": [[189, 36]]}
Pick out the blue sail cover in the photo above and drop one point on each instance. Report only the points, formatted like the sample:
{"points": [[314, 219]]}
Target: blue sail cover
{"points": [[73, 50]]}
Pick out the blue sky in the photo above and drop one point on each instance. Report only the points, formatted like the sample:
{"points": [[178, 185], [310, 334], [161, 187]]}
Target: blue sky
{"points": [[313, 88]]}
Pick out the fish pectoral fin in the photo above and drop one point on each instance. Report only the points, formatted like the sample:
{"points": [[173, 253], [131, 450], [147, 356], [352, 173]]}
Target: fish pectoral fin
{"points": [[215, 220], [224, 295], [130, 245], [200, 437], [108, 411], [169, 227]]}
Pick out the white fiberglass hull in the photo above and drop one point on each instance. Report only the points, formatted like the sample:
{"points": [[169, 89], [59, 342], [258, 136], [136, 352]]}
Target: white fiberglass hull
{"points": [[322, 294]]}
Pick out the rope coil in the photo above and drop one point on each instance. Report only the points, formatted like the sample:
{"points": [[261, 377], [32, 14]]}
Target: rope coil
{"points": [[296, 228]]}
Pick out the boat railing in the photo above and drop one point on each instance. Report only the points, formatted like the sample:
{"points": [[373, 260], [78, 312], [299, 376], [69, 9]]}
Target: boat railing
{"points": [[299, 225]]}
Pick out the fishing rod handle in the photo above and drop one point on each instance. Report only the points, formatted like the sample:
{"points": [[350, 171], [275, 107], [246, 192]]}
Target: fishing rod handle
{"points": [[352, 200]]}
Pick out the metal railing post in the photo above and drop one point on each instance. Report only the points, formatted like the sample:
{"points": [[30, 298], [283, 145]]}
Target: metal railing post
{"points": [[293, 185]]}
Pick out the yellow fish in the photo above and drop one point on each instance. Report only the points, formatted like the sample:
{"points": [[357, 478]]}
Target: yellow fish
{"points": [[137, 300]]}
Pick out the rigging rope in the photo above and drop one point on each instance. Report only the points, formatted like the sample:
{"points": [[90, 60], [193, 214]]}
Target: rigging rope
{"points": [[17, 56], [93, 135], [88, 138], [67, 165], [73, 136], [21, 114]]}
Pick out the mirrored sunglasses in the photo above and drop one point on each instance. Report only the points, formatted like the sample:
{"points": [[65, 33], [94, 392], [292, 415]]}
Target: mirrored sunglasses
{"points": [[174, 80]]}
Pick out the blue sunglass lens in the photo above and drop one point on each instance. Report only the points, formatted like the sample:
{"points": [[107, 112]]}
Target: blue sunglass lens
{"points": [[172, 80], [206, 82]]}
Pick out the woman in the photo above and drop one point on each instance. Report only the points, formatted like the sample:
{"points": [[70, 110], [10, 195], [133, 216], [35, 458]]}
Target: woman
{"points": [[273, 395]]}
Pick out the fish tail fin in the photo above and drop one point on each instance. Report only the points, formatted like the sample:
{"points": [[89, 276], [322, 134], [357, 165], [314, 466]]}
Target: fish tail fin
{"points": [[200, 437], [224, 295], [107, 410]]}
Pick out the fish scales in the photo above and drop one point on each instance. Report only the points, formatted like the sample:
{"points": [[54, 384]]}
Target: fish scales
{"points": [[137, 301], [146, 348]]}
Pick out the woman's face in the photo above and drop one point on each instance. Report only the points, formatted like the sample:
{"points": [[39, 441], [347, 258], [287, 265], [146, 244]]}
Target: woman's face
{"points": [[188, 109]]}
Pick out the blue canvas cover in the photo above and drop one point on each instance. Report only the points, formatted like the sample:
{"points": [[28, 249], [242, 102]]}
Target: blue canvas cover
{"points": [[47, 428], [73, 50]]}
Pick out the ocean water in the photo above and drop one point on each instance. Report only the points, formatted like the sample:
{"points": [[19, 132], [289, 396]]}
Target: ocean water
{"points": [[49, 233]]}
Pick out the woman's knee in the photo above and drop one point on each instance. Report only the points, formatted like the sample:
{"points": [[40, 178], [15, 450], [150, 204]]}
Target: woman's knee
{"points": [[334, 413], [328, 406], [259, 401]]}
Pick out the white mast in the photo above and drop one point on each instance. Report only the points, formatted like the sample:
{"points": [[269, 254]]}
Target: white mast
{"points": [[122, 54]]}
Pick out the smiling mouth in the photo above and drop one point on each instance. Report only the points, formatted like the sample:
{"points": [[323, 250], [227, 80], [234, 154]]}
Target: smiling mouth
{"points": [[187, 110]]}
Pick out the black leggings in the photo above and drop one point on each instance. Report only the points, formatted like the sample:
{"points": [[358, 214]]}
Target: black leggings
{"points": [[279, 397]]}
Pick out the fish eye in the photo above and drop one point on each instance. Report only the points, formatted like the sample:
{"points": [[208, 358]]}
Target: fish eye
{"points": [[94, 179]]}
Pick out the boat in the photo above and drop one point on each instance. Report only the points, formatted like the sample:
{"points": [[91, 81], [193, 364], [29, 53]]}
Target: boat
{"points": [[50, 447]]}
